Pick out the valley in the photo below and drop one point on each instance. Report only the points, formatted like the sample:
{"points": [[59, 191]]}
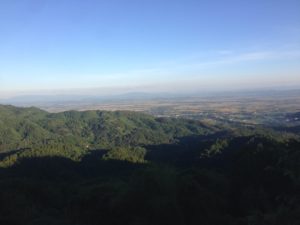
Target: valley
{"points": [[82, 167]]}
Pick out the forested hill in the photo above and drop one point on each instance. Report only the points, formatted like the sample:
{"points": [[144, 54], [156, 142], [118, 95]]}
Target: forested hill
{"points": [[72, 133], [97, 167]]}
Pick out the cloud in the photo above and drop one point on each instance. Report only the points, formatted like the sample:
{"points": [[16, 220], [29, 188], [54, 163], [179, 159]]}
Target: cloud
{"points": [[177, 70], [252, 56]]}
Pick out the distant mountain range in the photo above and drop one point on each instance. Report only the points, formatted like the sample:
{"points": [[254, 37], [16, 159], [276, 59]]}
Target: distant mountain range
{"points": [[39, 99], [60, 98]]}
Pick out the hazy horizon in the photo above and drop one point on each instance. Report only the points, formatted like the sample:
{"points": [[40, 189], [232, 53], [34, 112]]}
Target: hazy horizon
{"points": [[119, 92]]}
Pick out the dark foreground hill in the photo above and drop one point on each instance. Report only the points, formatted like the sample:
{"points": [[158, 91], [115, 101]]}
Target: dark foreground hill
{"points": [[94, 167]]}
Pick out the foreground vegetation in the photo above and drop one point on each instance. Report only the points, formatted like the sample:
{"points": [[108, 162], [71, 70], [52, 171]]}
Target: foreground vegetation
{"points": [[98, 167]]}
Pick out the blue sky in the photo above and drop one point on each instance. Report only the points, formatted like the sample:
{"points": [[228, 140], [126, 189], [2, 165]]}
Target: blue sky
{"points": [[151, 45]]}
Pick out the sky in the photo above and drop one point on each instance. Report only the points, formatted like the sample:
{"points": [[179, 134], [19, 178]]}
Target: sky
{"points": [[50, 46]]}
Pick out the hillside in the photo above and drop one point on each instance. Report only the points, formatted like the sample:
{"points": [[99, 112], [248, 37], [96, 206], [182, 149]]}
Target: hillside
{"points": [[99, 167], [73, 134]]}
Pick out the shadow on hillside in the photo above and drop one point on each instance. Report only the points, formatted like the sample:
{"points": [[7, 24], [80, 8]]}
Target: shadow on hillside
{"points": [[60, 191], [57, 190], [185, 151], [64, 169], [12, 152]]}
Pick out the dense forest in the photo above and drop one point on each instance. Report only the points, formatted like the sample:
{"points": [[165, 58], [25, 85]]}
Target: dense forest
{"points": [[99, 167]]}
